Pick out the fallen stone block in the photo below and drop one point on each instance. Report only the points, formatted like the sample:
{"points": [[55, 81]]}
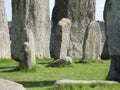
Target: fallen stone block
{"points": [[63, 82], [9, 85]]}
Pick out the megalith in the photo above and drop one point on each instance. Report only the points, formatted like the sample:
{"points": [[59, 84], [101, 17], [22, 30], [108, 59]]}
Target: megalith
{"points": [[92, 42], [4, 33], [105, 52], [81, 13], [61, 38], [34, 15], [27, 57], [112, 24]]}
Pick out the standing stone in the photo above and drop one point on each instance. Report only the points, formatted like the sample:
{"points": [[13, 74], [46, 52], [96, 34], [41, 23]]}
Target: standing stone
{"points": [[34, 15], [92, 42], [27, 59], [112, 20], [105, 52], [81, 13], [4, 33], [62, 38]]}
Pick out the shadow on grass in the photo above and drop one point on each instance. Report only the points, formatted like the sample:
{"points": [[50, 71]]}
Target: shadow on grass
{"points": [[7, 67], [79, 62], [44, 63], [10, 69], [29, 84]]}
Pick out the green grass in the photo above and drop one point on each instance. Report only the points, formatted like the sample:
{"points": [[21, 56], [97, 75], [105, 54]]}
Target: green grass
{"points": [[43, 77]]}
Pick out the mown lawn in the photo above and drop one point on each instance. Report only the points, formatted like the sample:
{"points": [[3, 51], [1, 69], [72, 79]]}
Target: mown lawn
{"points": [[42, 77]]}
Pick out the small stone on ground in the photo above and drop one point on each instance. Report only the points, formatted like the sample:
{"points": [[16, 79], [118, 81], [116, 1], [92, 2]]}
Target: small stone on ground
{"points": [[61, 82]]}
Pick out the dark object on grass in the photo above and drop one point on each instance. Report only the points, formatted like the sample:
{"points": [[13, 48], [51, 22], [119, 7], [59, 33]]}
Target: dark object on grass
{"points": [[60, 62]]}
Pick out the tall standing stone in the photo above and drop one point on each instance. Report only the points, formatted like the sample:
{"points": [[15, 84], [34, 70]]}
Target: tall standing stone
{"points": [[81, 13], [92, 42], [27, 57], [112, 24], [4, 33], [105, 52], [62, 38], [34, 15]]}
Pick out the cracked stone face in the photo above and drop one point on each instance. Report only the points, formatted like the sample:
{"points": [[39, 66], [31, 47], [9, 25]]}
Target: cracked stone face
{"points": [[112, 24], [81, 13], [4, 33], [34, 15]]}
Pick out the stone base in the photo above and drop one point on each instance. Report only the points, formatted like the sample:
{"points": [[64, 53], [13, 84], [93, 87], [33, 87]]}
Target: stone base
{"points": [[61, 82], [114, 72], [63, 61]]}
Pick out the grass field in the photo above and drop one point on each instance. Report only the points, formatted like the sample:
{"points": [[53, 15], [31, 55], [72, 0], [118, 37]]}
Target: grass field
{"points": [[42, 77]]}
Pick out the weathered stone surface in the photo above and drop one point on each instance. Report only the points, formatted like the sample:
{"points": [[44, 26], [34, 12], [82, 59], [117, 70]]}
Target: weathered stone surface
{"points": [[114, 74], [102, 27], [9, 85], [27, 59], [64, 82], [81, 13], [63, 61], [34, 15], [61, 38], [4, 33], [112, 23], [105, 52], [113, 27], [92, 42]]}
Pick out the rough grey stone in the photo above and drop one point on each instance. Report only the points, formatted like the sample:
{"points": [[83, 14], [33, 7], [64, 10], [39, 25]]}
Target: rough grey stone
{"points": [[114, 74], [62, 38], [102, 27], [32, 14], [105, 52], [63, 61], [9, 85], [92, 42], [113, 27], [81, 13], [112, 24], [64, 82], [4, 33], [27, 59]]}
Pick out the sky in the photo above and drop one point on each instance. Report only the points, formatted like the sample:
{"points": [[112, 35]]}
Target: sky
{"points": [[99, 9]]}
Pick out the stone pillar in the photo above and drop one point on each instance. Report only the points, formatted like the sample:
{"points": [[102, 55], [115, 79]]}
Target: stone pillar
{"points": [[112, 24], [27, 59], [62, 38], [92, 42], [105, 52], [81, 13], [4, 33], [34, 15]]}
